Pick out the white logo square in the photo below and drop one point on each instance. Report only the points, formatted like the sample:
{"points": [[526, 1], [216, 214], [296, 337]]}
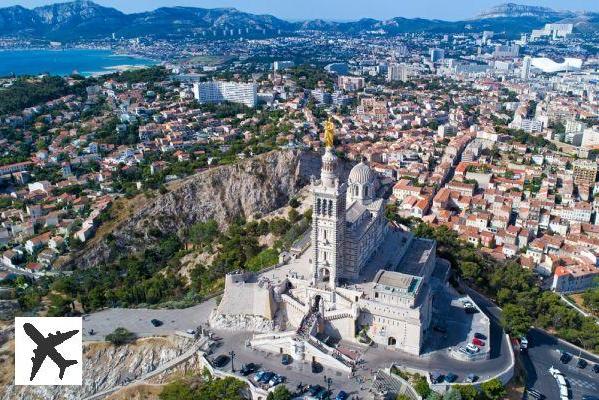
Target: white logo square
{"points": [[48, 351]]}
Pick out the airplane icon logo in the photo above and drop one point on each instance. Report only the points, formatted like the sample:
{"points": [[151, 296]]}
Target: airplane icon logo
{"points": [[38, 340], [46, 347]]}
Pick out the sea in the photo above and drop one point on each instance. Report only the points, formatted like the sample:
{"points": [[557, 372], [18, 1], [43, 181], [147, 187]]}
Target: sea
{"points": [[66, 62]]}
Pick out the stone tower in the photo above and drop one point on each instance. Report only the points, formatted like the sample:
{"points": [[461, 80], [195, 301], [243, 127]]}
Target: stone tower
{"points": [[328, 218]]}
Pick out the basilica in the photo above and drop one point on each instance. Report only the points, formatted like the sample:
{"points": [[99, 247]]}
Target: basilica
{"points": [[360, 280]]}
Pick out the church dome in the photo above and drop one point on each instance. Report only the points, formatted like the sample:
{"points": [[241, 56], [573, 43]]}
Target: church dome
{"points": [[361, 174]]}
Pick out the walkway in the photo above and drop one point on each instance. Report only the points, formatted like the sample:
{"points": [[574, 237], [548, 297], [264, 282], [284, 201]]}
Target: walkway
{"points": [[193, 350], [577, 308]]}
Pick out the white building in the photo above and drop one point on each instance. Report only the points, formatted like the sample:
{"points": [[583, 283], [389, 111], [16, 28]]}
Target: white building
{"points": [[357, 275], [220, 91], [398, 72], [590, 137], [525, 70]]}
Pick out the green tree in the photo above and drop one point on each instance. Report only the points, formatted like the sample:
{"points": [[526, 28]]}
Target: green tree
{"points": [[204, 232], [280, 393], [516, 319], [493, 389], [452, 394], [177, 390], [120, 336], [59, 305], [468, 392], [421, 386]]}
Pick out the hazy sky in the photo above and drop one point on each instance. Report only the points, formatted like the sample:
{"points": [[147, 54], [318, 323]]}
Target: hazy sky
{"points": [[336, 9]]}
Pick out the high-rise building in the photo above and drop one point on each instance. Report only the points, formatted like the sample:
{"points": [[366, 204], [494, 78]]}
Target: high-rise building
{"points": [[574, 131], [281, 65], [219, 91], [505, 51], [525, 71], [585, 172], [437, 55], [398, 72], [590, 137]]}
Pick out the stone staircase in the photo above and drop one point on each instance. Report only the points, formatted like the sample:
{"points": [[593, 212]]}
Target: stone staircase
{"points": [[387, 382]]}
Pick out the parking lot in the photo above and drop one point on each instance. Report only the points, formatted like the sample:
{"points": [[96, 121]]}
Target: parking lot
{"points": [[296, 373], [453, 326], [97, 325]]}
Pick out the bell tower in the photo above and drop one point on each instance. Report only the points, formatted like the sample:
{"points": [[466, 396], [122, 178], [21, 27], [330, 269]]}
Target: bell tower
{"points": [[328, 217]]}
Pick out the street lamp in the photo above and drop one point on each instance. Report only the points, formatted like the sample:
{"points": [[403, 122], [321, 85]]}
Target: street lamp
{"points": [[328, 382], [232, 354]]}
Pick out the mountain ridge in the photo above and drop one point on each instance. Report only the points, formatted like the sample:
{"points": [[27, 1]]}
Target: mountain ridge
{"points": [[84, 19]]}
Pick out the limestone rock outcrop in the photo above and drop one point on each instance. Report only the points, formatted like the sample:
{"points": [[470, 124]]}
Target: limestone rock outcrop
{"points": [[257, 185]]}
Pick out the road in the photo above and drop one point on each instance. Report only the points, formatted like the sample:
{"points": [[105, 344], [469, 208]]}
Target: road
{"points": [[544, 352], [18, 271]]}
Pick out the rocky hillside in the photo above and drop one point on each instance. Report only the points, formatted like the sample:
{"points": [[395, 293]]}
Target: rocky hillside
{"points": [[512, 10], [257, 185], [106, 366]]}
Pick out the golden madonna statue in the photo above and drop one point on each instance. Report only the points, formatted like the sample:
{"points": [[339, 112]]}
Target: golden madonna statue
{"points": [[329, 133]]}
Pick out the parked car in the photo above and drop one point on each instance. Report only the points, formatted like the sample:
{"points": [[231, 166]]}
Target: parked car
{"points": [[259, 375], [523, 344], [472, 348], [436, 377], [565, 357], [471, 378], [478, 342], [341, 396], [276, 380], [286, 359], [221, 361], [266, 377], [480, 336], [315, 390], [450, 377], [596, 368], [156, 322], [247, 369], [582, 363]]}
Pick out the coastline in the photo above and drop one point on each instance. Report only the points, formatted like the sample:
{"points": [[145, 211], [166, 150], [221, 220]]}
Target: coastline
{"points": [[63, 61]]}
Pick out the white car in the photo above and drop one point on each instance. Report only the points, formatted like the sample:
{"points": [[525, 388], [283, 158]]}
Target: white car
{"points": [[473, 348], [554, 372]]}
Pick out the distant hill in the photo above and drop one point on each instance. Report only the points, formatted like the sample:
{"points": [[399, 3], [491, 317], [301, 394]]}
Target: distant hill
{"points": [[85, 19], [512, 10]]}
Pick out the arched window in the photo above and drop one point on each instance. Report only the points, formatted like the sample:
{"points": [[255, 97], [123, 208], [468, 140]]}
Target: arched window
{"points": [[365, 191], [330, 207], [318, 206]]}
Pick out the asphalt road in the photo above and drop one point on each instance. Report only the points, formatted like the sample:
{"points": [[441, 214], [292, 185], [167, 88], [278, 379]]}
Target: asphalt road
{"points": [[137, 320], [543, 353]]}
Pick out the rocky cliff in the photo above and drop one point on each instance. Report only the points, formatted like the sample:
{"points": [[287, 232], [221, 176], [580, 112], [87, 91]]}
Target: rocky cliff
{"points": [[106, 366], [257, 185]]}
